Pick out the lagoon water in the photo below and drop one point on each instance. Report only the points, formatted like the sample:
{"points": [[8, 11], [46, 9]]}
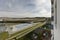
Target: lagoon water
{"points": [[2, 28], [12, 29]]}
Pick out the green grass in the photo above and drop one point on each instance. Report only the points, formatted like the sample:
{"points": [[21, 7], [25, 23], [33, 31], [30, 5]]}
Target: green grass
{"points": [[3, 35]]}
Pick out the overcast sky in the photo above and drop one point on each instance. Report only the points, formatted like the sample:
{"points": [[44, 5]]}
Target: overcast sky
{"points": [[25, 8]]}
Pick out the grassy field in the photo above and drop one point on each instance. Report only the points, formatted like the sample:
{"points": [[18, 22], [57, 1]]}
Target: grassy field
{"points": [[3, 35]]}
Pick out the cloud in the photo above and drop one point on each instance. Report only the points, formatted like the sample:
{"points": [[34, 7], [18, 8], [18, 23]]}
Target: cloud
{"points": [[21, 8]]}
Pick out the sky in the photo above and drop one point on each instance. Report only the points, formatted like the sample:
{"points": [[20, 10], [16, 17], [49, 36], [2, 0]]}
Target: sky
{"points": [[25, 8]]}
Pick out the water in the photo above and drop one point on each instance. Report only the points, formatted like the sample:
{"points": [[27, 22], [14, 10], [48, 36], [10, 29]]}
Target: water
{"points": [[2, 28], [15, 28]]}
